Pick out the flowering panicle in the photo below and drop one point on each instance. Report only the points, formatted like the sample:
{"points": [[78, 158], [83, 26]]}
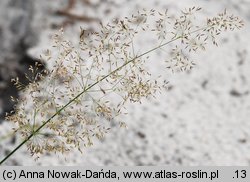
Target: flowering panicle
{"points": [[89, 83]]}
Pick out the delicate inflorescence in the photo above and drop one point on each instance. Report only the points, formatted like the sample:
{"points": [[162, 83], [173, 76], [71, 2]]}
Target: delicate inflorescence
{"points": [[90, 83]]}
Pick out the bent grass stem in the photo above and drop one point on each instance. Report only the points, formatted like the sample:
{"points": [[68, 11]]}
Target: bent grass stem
{"points": [[87, 88]]}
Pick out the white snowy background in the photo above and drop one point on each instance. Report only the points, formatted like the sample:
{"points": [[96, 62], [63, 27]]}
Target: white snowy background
{"points": [[202, 119]]}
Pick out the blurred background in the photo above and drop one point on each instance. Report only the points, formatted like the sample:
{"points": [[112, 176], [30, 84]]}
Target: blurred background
{"points": [[201, 119]]}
